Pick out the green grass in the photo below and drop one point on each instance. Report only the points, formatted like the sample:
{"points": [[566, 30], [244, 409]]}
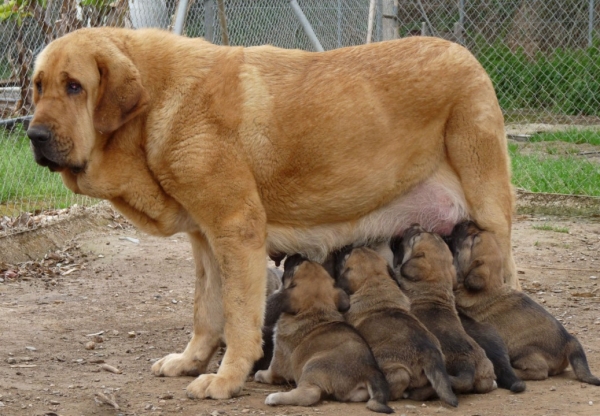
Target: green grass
{"points": [[25, 186], [574, 136], [550, 174], [548, 227]]}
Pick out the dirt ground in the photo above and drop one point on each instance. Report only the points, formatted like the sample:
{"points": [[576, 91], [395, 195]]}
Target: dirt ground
{"points": [[137, 298]]}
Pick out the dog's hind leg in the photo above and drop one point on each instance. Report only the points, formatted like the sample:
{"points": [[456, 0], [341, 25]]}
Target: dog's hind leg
{"points": [[304, 395], [208, 318], [477, 150], [531, 367], [398, 378]]}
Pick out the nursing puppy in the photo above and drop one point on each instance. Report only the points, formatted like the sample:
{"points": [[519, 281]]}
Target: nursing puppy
{"points": [[490, 340], [315, 347], [427, 275], [538, 345], [405, 350]]}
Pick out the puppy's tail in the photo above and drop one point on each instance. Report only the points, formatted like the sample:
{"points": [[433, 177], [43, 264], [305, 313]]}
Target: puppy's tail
{"points": [[435, 370], [379, 393], [579, 363]]}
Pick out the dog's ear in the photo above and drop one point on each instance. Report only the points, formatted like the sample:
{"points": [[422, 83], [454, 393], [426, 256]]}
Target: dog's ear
{"points": [[339, 260], [476, 278], [414, 267], [343, 301], [121, 95]]}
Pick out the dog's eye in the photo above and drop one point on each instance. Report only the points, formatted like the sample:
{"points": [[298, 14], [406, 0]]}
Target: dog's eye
{"points": [[73, 88], [38, 85]]}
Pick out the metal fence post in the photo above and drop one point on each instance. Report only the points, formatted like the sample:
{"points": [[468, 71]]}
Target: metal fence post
{"points": [[209, 20], [390, 20], [181, 15], [306, 26], [591, 24]]}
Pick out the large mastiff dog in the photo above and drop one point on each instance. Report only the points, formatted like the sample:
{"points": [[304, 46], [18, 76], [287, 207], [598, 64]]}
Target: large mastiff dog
{"points": [[263, 150]]}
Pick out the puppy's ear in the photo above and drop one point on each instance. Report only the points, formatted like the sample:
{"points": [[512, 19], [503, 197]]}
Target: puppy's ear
{"points": [[343, 301], [121, 95], [477, 276], [339, 258], [414, 267]]}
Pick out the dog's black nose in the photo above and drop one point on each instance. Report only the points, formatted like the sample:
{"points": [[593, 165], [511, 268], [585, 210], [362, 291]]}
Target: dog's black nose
{"points": [[39, 134]]}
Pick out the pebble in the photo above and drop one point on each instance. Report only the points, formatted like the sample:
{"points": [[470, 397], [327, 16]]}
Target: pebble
{"points": [[11, 360], [90, 345], [1, 404], [131, 334], [174, 301], [410, 406], [552, 388], [593, 277], [591, 402], [29, 348], [54, 402], [1, 280]]}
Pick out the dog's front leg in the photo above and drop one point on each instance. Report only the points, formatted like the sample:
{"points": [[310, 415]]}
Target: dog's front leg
{"points": [[208, 317], [238, 243]]}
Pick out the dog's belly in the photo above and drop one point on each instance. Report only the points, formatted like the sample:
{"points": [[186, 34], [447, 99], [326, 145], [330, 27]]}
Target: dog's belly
{"points": [[437, 204]]}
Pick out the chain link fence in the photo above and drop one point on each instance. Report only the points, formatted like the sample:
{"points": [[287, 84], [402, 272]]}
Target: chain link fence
{"points": [[542, 55]]}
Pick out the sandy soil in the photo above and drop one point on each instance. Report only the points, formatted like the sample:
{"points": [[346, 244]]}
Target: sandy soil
{"points": [[139, 295]]}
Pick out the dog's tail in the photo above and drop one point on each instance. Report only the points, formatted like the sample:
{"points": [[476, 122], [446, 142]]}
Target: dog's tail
{"points": [[579, 363], [379, 393], [435, 370]]}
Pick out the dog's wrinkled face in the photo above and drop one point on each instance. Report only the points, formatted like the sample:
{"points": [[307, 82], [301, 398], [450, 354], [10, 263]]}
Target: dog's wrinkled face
{"points": [[477, 257], [355, 266], [84, 89], [308, 286], [424, 256]]}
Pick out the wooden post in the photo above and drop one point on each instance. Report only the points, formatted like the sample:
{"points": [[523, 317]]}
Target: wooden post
{"points": [[370, 21], [390, 19]]}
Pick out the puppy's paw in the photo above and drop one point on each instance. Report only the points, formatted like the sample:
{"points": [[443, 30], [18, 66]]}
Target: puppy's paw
{"points": [[263, 376], [273, 399], [213, 386], [174, 365]]}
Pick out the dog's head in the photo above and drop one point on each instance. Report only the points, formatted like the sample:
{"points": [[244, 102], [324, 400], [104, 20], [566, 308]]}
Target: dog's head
{"points": [[307, 286], [477, 257], [423, 257], [84, 88], [354, 267]]}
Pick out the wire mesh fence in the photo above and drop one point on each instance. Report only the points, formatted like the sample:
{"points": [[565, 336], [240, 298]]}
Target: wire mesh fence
{"points": [[542, 55]]}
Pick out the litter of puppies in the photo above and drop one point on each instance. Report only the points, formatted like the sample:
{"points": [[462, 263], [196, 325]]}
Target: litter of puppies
{"points": [[439, 321]]}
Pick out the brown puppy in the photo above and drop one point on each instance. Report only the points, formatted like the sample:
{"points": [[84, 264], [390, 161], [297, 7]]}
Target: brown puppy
{"points": [[315, 347], [264, 150], [405, 350], [538, 345], [427, 275]]}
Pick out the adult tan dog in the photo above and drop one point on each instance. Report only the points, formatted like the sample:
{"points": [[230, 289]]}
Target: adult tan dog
{"points": [[256, 150], [538, 345]]}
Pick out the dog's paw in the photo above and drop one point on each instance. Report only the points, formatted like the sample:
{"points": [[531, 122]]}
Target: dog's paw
{"points": [[174, 365], [272, 399], [263, 376], [213, 386]]}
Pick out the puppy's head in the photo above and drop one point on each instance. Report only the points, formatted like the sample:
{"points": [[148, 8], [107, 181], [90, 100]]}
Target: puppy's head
{"points": [[477, 257], [424, 257], [308, 286], [85, 87], [354, 267]]}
